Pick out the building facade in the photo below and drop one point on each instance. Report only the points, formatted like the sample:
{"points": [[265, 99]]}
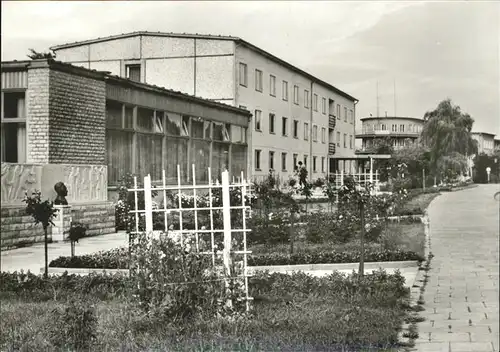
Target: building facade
{"points": [[88, 129], [401, 130], [296, 116], [485, 142]]}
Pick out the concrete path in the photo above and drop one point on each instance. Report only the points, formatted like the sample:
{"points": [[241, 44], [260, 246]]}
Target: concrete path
{"points": [[462, 295], [32, 258]]}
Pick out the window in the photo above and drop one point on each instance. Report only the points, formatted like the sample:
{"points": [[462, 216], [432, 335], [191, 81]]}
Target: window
{"points": [[271, 160], [338, 111], [345, 140], [384, 127], [338, 139], [133, 72], [258, 116], [323, 135], [258, 80], [306, 98], [283, 161], [13, 127], [305, 160], [345, 114], [315, 102], [284, 126], [257, 159], [295, 129], [272, 120], [323, 106], [322, 164], [284, 93], [315, 133], [295, 157], [394, 127], [243, 74], [306, 131], [350, 141], [314, 163], [401, 128], [272, 85], [296, 95], [351, 116]]}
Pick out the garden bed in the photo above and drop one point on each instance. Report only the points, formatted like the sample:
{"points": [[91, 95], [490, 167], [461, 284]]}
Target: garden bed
{"points": [[290, 312]]}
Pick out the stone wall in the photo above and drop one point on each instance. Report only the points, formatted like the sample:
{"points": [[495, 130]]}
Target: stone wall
{"points": [[18, 229], [100, 218], [77, 119]]}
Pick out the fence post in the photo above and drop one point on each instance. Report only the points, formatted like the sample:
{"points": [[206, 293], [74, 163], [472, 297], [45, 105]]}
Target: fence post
{"points": [[148, 204], [226, 215]]}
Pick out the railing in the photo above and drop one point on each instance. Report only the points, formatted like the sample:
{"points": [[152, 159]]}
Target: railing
{"points": [[331, 148], [332, 122]]}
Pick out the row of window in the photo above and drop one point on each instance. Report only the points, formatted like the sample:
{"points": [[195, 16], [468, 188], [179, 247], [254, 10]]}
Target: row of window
{"points": [[351, 140], [147, 141], [284, 127], [284, 157], [414, 128], [259, 87]]}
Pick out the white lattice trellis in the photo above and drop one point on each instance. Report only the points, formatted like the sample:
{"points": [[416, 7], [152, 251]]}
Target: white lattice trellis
{"points": [[228, 230]]}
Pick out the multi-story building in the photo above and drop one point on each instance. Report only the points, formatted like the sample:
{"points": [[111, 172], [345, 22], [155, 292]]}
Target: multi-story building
{"points": [[89, 129], [485, 142], [296, 116], [401, 130]]}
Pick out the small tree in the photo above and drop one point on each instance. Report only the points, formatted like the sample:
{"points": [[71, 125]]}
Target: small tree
{"points": [[352, 195], [76, 232], [42, 212]]}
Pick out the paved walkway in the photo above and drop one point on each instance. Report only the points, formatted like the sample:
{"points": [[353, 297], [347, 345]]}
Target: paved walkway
{"points": [[462, 295], [32, 258]]}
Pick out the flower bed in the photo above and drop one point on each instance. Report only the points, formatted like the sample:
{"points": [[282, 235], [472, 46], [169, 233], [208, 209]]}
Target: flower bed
{"points": [[291, 313], [118, 258]]}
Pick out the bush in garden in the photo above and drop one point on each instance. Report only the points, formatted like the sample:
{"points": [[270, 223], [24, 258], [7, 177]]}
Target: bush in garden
{"points": [[319, 182], [332, 257], [124, 220], [113, 259], [31, 287], [171, 281], [75, 327]]}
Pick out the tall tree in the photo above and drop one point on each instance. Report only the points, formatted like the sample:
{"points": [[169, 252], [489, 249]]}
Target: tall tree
{"points": [[35, 55], [447, 130]]}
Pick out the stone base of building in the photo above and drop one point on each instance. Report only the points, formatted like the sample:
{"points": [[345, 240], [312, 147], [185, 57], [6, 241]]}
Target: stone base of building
{"points": [[18, 229]]}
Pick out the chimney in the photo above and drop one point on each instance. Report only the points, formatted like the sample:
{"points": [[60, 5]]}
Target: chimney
{"points": [[386, 114]]}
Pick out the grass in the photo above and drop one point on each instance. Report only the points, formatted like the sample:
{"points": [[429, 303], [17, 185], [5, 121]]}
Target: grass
{"points": [[420, 201], [319, 314]]}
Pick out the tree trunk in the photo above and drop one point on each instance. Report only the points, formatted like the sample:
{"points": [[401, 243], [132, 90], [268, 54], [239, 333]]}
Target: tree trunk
{"points": [[72, 249], [291, 233], [46, 240], [362, 239]]}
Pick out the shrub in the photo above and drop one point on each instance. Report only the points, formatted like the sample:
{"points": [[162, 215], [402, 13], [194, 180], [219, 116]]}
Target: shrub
{"points": [[75, 327], [31, 287], [113, 259], [173, 282], [332, 257], [319, 182], [272, 229]]}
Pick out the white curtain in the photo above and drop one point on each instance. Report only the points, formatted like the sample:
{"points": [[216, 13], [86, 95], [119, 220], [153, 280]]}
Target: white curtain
{"points": [[21, 143]]}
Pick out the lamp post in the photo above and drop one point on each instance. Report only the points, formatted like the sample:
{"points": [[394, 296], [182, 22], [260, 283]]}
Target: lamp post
{"points": [[488, 170]]}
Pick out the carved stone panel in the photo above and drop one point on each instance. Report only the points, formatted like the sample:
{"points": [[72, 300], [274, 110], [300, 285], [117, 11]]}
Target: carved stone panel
{"points": [[17, 179]]}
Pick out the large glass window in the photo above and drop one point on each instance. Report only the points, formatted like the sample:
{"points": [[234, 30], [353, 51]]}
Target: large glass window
{"points": [[163, 140], [13, 127]]}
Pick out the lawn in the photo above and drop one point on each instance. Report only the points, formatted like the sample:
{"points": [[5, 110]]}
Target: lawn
{"points": [[291, 313]]}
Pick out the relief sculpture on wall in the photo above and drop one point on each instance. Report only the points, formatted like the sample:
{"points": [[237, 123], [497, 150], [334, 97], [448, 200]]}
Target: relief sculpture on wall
{"points": [[17, 179], [86, 183]]}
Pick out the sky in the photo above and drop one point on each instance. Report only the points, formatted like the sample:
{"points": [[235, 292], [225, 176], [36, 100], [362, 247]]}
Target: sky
{"points": [[417, 53]]}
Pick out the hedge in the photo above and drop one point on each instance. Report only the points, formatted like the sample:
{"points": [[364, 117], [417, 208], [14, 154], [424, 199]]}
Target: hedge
{"points": [[118, 259]]}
